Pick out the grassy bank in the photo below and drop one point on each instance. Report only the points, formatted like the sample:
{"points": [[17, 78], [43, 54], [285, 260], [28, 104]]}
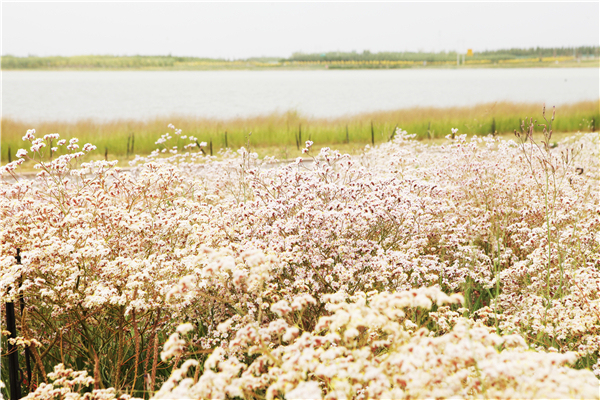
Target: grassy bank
{"points": [[282, 134]]}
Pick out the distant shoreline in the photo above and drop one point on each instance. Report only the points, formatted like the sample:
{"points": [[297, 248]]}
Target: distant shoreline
{"points": [[309, 62], [572, 64]]}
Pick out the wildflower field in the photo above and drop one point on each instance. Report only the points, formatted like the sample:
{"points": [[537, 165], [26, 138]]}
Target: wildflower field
{"points": [[469, 269]]}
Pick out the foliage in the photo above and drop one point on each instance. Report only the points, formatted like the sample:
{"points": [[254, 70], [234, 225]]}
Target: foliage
{"points": [[495, 55], [465, 269]]}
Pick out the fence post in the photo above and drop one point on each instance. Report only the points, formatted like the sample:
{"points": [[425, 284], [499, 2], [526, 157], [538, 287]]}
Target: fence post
{"points": [[393, 133], [9, 156], [27, 351], [211, 147], [226, 140], [298, 137], [347, 136], [13, 354], [372, 134], [201, 149]]}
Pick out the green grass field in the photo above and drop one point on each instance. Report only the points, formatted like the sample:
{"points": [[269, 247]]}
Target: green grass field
{"points": [[283, 134]]}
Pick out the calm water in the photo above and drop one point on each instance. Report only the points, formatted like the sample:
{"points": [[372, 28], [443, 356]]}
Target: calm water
{"points": [[106, 95]]}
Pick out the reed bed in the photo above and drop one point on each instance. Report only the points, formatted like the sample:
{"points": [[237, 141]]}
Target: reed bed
{"points": [[283, 134]]}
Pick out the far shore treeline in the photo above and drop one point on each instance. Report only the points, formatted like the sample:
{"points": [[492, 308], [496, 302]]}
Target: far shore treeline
{"points": [[532, 57]]}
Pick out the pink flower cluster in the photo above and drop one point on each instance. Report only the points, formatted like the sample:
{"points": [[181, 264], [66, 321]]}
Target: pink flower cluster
{"points": [[468, 269]]}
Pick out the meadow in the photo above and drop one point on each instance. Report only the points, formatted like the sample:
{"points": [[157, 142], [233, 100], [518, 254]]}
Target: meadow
{"points": [[464, 268], [282, 135]]}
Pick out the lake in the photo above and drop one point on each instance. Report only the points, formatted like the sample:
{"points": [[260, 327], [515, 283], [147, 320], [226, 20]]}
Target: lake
{"points": [[108, 95]]}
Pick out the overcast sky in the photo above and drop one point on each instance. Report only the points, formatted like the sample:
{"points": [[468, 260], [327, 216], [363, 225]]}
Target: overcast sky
{"points": [[240, 30]]}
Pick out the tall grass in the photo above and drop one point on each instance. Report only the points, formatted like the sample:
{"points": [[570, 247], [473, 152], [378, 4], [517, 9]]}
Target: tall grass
{"points": [[280, 130]]}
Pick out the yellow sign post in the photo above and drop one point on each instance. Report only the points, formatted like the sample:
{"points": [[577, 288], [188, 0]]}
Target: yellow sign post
{"points": [[470, 52]]}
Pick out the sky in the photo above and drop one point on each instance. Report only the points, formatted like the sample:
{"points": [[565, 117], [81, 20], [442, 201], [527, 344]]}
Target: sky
{"points": [[242, 30]]}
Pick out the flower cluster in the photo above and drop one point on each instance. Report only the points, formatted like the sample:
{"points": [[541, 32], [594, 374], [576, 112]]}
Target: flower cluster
{"points": [[466, 269], [69, 384], [364, 350]]}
